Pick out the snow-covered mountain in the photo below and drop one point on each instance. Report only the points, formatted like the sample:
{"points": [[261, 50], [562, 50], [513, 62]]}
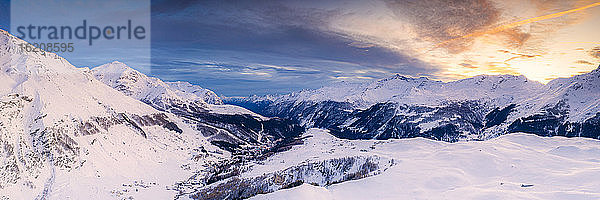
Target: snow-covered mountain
{"points": [[502, 89], [580, 93], [230, 127], [478, 108], [153, 91], [66, 135], [205, 94], [567, 106]]}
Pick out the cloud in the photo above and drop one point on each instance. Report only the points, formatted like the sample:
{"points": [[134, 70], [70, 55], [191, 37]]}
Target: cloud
{"points": [[515, 37], [441, 20], [313, 42], [595, 52], [352, 77], [584, 62], [467, 65], [516, 55]]}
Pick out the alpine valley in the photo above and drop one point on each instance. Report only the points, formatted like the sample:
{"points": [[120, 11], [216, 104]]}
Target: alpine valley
{"points": [[112, 132]]}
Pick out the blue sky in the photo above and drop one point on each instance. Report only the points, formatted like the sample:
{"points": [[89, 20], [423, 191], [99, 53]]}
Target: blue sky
{"points": [[4, 14], [239, 48]]}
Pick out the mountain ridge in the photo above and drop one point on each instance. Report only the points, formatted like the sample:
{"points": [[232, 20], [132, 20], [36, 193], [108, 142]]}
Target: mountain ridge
{"points": [[230, 127], [465, 109]]}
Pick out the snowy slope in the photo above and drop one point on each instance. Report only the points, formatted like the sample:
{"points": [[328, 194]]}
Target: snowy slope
{"points": [[66, 135], [515, 166], [304, 191]]}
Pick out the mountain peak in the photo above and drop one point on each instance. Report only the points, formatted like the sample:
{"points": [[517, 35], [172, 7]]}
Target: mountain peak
{"points": [[114, 67], [400, 77], [403, 77], [117, 63]]}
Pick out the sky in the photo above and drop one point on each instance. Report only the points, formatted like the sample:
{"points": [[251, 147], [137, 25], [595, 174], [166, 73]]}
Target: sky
{"points": [[261, 47], [240, 48], [4, 14]]}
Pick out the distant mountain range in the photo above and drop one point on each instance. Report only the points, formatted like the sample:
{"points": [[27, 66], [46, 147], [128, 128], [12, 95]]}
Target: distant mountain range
{"points": [[476, 108]]}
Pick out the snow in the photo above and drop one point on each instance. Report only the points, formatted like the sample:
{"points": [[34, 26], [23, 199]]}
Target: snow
{"points": [[207, 95], [302, 192], [106, 171], [500, 168]]}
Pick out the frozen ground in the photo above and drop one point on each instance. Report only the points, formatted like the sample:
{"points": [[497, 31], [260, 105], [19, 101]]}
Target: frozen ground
{"points": [[515, 166]]}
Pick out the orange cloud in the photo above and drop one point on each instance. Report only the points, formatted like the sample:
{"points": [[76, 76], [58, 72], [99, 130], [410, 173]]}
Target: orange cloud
{"points": [[504, 27]]}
